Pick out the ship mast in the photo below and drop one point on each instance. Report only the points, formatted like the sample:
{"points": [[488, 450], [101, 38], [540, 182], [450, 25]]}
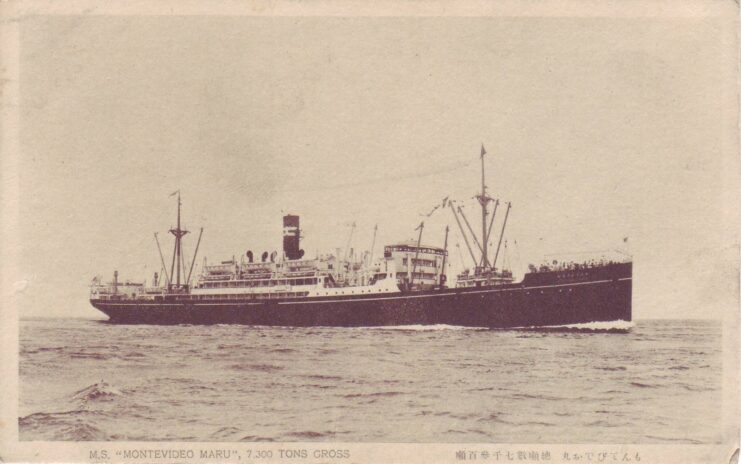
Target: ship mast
{"points": [[178, 233], [483, 200], [421, 227], [443, 277], [483, 264]]}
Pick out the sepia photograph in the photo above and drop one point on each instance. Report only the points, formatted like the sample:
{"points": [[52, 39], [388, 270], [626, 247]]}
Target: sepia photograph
{"points": [[294, 232]]}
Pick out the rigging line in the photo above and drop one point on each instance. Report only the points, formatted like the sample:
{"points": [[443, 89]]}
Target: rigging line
{"points": [[174, 254], [501, 234], [505, 258], [442, 170], [475, 240], [162, 259], [182, 264], [460, 254], [463, 233], [182, 258], [491, 223], [349, 241], [373, 245], [195, 254]]}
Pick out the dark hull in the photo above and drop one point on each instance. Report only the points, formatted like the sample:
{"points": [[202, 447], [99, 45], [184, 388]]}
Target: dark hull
{"points": [[545, 299]]}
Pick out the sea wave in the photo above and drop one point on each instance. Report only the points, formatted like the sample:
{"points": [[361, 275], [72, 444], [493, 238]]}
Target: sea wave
{"points": [[385, 384], [84, 402], [374, 394], [642, 385], [225, 432], [323, 377], [96, 391], [256, 367], [69, 425]]}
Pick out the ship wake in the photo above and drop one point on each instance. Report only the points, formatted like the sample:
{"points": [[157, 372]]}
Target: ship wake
{"points": [[422, 328], [618, 326]]}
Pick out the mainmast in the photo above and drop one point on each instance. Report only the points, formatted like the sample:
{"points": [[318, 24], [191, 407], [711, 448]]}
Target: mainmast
{"points": [[483, 264], [178, 233], [483, 199]]}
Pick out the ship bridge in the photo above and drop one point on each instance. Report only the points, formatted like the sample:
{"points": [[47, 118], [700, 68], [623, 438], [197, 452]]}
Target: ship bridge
{"points": [[416, 265]]}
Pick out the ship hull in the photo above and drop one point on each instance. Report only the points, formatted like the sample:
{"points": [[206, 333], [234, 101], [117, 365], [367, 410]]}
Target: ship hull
{"points": [[542, 300]]}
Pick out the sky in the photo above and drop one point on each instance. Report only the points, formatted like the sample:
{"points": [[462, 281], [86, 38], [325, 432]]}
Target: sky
{"points": [[596, 129]]}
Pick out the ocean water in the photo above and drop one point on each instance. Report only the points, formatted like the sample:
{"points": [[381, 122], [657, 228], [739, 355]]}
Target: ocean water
{"points": [[655, 382]]}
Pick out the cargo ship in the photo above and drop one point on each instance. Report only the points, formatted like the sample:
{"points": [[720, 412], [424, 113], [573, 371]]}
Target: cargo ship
{"points": [[407, 285]]}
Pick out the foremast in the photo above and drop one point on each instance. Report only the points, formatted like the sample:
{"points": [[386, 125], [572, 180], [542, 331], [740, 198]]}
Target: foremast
{"points": [[177, 266], [177, 255]]}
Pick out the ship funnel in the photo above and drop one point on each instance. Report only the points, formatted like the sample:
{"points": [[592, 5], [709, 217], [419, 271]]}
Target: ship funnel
{"points": [[264, 256], [292, 237], [249, 255]]}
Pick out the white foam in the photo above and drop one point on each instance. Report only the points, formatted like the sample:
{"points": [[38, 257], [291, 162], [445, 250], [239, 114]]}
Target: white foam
{"points": [[96, 390], [423, 328], [607, 325], [603, 325]]}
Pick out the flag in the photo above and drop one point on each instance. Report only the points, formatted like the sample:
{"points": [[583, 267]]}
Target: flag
{"points": [[625, 239], [175, 193], [483, 150], [445, 202]]}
